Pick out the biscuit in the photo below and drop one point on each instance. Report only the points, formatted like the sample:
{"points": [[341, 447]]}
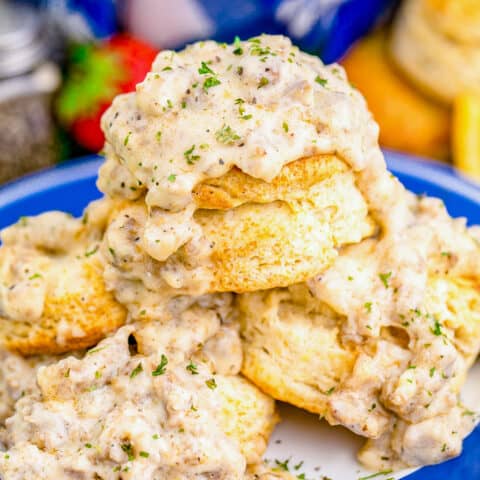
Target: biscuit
{"points": [[52, 294], [436, 44], [250, 234]]}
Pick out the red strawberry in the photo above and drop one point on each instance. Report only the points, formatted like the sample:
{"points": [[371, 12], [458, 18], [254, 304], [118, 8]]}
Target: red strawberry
{"points": [[96, 74]]}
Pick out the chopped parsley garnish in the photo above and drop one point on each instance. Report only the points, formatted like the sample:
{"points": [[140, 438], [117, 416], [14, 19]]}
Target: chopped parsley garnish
{"points": [[211, 384], [144, 454], [67, 373], [161, 367], [189, 155], [128, 449], [164, 69], [204, 69], [34, 276], [285, 127], [263, 81], [226, 135], [127, 138], [192, 368], [368, 306], [283, 465], [92, 251], [258, 50], [373, 475], [246, 117], [329, 391], [298, 466], [155, 436], [158, 136], [211, 82], [184, 104], [95, 350], [321, 81], [432, 372], [112, 251], [88, 445], [138, 369], [98, 374], [172, 177], [384, 277], [411, 367], [238, 50], [437, 328]]}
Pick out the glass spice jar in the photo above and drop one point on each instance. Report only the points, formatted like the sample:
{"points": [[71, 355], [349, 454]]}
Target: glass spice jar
{"points": [[28, 80]]}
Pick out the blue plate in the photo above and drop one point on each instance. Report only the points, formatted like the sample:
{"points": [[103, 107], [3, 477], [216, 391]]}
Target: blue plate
{"points": [[71, 186]]}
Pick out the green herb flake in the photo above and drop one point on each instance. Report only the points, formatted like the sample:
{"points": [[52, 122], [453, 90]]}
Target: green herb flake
{"points": [[211, 384], [92, 251], [226, 135], [155, 436], [205, 69], [263, 82], [374, 475], [192, 368], [189, 155], [161, 367], [432, 372], [95, 350], [298, 466], [411, 367], [211, 82], [368, 306], [321, 81], [283, 465], [238, 50], [98, 374], [165, 69], [329, 391], [137, 370], [67, 373], [385, 277], [285, 127], [246, 117], [437, 328], [88, 445], [144, 454], [34, 276], [172, 177], [184, 104], [127, 138], [23, 221], [128, 449], [158, 136]]}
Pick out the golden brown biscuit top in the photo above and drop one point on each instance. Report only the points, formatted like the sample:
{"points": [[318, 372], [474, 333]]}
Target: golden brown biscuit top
{"points": [[256, 105]]}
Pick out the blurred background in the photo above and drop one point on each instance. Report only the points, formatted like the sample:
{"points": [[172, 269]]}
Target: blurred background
{"points": [[417, 62]]}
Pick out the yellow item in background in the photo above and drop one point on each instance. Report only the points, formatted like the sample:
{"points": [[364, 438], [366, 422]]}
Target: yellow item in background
{"points": [[466, 133]]}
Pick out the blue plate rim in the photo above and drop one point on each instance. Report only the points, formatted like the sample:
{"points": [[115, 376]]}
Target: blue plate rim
{"points": [[445, 176]]}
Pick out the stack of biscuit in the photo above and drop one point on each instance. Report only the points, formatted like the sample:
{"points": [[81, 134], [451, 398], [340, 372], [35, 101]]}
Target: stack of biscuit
{"points": [[244, 186]]}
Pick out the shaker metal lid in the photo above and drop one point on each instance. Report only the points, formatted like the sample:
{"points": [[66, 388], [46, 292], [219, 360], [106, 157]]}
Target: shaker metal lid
{"points": [[23, 38]]}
